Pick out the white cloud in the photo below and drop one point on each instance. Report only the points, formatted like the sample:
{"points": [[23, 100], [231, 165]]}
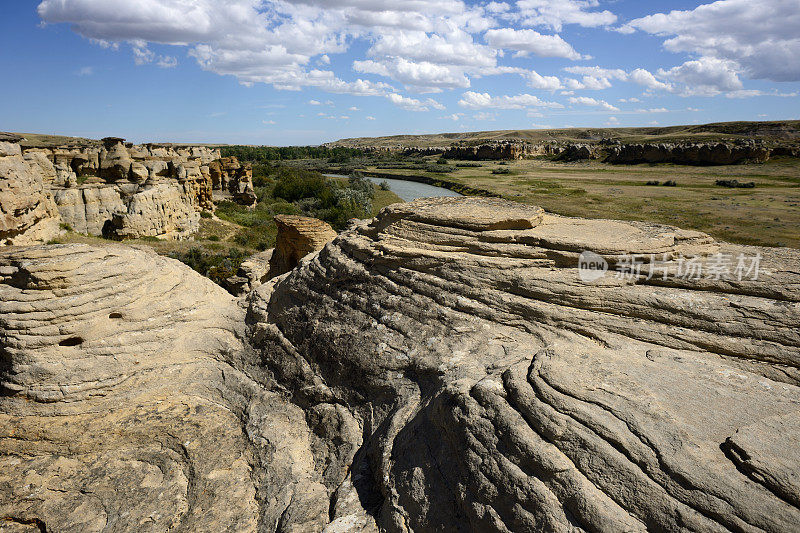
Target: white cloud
{"points": [[455, 117], [354, 108], [419, 76], [167, 62], [705, 76], [314, 102], [598, 78], [412, 104], [646, 79], [612, 121], [370, 117], [484, 116], [759, 39], [473, 100], [526, 42], [556, 14], [545, 83], [585, 100], [85, 71], [269, 122]]}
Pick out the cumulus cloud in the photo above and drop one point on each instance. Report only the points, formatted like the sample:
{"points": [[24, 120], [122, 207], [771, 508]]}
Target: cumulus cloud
{"points": [[556, 14], [526, 42], [412, 104], [474, 100], [706, 76], [585, 100], [425, 45], [759, 39], [417, 76], [598, 78]]}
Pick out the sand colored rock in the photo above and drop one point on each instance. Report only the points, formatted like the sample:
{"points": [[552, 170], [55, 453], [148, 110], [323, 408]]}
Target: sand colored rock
{"points": [[500, 392], [233, 180], [27, 212], [446, 366], [161, 210], [130, 404], [297, 237]]}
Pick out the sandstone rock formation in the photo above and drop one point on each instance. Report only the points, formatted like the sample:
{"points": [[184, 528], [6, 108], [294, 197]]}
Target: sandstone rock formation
{"points": [[612, 151], [123, 190], [131, 404], [442, 367], [689, 153], [233, 179], [498, 392], [27, 212], [253, 271], [297, 237]]}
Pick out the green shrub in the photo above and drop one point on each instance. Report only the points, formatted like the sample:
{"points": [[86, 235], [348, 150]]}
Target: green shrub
{"points": [[205, 214]]}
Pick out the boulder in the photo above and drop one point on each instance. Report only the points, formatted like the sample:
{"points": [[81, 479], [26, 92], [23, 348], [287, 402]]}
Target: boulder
{"points": [[297, 237], [254, 271]]}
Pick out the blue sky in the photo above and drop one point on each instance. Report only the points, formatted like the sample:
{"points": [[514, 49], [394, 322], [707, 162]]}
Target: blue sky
{"points": [[311, 71]]}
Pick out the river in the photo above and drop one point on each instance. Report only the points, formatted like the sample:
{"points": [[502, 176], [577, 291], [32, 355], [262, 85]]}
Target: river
{"points": [[408, 190]]}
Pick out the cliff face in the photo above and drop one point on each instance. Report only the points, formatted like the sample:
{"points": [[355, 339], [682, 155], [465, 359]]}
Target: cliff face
{"points": [[689, 154], [445, 366], [686, 153], [125, 191], [27, 211]]}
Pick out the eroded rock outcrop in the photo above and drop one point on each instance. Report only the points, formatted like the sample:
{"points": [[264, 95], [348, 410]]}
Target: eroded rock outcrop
{"points": [[233, 179], [130, 403], [27, 211], [297, 237], [499, 392], [443, 367], [125, 191]]}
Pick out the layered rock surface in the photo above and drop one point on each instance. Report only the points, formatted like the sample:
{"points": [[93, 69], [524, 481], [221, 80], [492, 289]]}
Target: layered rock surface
{"points": [[499, 392], [131, 403], [442, 367]]}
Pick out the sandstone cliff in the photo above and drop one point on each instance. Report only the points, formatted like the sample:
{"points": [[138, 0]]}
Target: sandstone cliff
{"points": [[442, 367], [27, 211], [126, 191], [616, 152]]}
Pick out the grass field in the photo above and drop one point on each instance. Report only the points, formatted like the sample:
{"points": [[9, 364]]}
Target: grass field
{"points": [[767, 215]]}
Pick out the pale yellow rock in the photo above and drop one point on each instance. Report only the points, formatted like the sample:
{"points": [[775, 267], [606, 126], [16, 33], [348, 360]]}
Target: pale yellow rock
{"points": [[297, 237]]}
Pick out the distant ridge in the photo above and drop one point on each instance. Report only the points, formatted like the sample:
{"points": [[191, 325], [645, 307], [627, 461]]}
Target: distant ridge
{"points": [[785, 130]]}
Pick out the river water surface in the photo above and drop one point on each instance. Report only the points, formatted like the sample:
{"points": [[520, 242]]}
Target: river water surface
{"points": [[409, 190]]}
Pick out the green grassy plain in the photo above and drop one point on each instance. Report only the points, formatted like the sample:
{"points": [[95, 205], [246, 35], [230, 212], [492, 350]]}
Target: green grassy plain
{"points": [[767, 215]]}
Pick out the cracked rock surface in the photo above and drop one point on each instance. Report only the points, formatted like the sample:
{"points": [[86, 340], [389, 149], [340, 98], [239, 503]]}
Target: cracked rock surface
{"points": [[442, 367]]}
